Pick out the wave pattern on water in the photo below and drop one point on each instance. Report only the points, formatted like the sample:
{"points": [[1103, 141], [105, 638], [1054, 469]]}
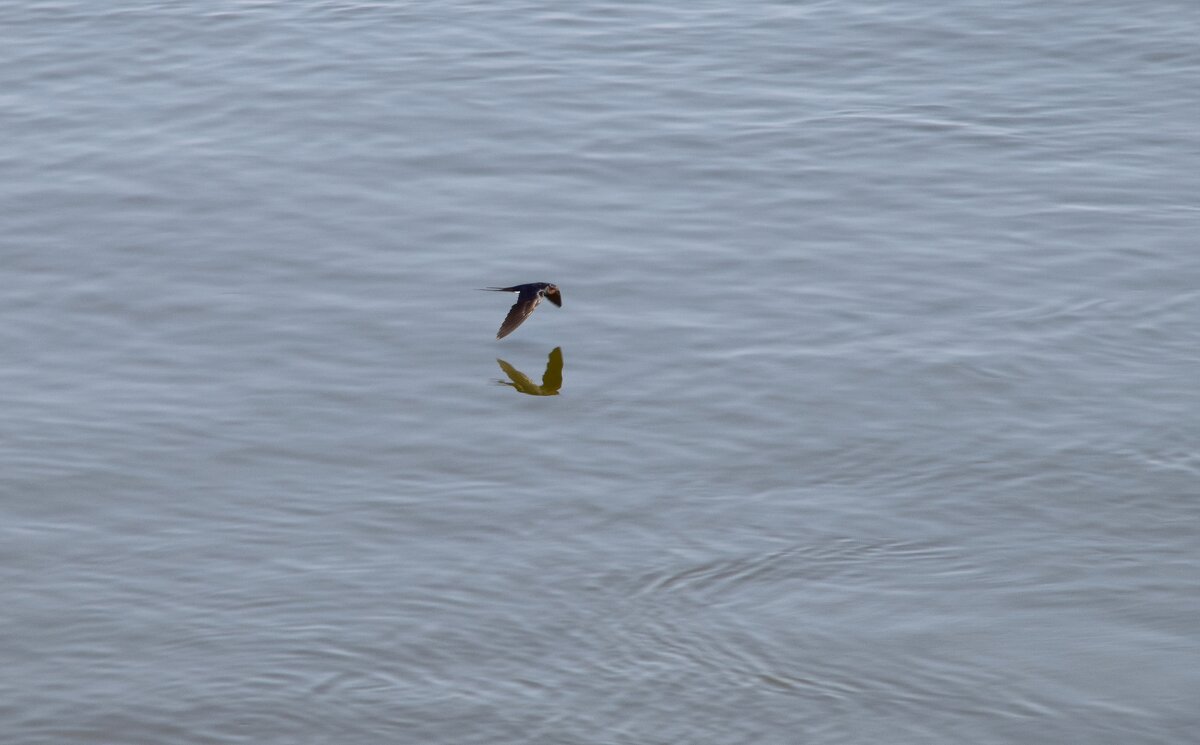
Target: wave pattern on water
{"points": [[875, 412]]}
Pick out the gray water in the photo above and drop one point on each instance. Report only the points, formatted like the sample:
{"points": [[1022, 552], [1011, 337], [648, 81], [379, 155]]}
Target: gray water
{"points": [[878, 416]]}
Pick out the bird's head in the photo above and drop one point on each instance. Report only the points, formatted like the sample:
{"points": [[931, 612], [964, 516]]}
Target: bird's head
{"points": [[552, 294]]}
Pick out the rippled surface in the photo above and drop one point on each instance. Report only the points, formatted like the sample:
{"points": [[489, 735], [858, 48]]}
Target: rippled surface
{"points": [[875, 413]]}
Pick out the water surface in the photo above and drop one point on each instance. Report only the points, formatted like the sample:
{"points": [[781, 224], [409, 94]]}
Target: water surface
{"points": [[875, 417]]}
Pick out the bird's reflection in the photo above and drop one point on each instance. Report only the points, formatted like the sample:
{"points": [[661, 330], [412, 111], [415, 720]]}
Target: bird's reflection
{"points": [[552, 379]]}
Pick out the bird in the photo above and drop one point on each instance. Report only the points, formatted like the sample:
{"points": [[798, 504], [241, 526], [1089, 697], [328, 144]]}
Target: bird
{"points": [[528, 297]]}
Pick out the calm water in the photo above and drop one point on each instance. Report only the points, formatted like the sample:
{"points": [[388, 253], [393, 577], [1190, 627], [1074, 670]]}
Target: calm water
{"points": [[878, 416]]}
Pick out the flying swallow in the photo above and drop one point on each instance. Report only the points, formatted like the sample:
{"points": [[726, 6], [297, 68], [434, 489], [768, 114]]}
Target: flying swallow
{"points": [[527, 299]]}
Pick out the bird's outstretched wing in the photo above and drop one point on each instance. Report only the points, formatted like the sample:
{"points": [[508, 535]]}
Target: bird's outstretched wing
{"points": [[517, 314]]}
